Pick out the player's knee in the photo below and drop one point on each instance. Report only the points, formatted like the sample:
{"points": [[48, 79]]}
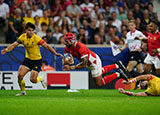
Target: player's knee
{"points": [[33, 80], [20, 77]]}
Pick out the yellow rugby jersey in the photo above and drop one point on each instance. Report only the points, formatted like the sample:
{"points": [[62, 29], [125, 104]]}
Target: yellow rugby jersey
{"points": [[31, 45], [154, 86]]}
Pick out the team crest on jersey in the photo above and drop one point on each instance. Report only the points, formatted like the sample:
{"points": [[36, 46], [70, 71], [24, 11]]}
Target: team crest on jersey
{"points": [[154, 38]]}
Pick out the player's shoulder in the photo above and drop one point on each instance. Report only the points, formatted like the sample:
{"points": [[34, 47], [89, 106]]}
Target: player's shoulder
{"points": [[80, 45], [22, 36]]}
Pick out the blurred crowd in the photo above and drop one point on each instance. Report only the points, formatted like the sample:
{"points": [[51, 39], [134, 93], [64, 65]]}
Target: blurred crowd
{"points": [[93, 21]]}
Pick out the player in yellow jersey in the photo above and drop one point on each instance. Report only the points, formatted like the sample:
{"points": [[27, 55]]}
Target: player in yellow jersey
{"points": [[33, 59], [150, 82]]}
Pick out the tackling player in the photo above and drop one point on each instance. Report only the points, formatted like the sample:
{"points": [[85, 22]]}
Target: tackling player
{"points": [[33, 58], [91, 60], [151, 83]]}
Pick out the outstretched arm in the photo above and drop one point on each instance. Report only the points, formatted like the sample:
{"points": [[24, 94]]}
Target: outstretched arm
{"points": [[138, 78], [9, 48], [121, 90], [51, 49]]}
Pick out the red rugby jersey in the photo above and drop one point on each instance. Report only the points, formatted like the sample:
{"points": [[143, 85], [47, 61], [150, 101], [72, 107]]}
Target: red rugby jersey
{"points": [[80, 50], [153, 42]]}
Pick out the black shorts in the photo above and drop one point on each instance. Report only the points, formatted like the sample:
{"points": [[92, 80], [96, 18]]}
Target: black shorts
{"points": [[136, 56], [32, 64]]}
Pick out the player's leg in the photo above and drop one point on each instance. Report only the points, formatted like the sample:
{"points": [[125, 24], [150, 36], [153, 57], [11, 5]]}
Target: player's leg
{"points": [[108, 68], [131, 65], [36, 68], [21, 73], [156, 63], [147, 68], [139, 68]]}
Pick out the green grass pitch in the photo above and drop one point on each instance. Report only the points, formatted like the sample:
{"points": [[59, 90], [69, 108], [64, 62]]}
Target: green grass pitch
{"points": [[85, 102]]}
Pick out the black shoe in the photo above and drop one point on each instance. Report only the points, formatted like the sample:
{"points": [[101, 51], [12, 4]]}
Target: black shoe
{"points": [[121, 66], [122, 75], [137, 85]]}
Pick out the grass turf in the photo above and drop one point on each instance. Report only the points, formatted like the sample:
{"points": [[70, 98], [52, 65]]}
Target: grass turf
{"points": [[85, 102]]}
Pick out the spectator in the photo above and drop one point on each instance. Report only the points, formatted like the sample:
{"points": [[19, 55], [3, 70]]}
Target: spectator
{"points": [[57, 34], [137, 12], [88, 30], [29, 4], [97, 40], [44, 5], [42, 33], [111, 36], [50, 38], [122, 14], [95, 13], [108, 3], [15, 26], [116, 22], [114, 7], [144, 4], [129, 4], [62, 21], [151, 13], [22, 6], [146, 20], [109, 24], [29, 18], [101, 6], [4, 14], [102, 34], [130, 15], [37, 24], [36, 11], [46, 67], [44, 18], [100, 20], [13, 7], [120, 3], [107, 13], [51, 24], [87, 6], [61, 40], [56, 8], [139, 24], [73, 10], [85, 16], [82, 36]]}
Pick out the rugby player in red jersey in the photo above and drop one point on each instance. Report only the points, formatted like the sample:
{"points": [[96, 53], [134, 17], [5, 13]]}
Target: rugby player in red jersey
{"points": [[153, 40], [90, 60]]}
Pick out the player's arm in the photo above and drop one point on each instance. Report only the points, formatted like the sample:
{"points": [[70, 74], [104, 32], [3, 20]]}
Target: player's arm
{"points": [[9, 48], [138, 78], [44, 44], [124, 46], [121, 90], [82, 64]]}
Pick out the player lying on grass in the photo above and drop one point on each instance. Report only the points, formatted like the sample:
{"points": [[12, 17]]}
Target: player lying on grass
{"points": [[150, 82], [33, 58], [90, 60]]}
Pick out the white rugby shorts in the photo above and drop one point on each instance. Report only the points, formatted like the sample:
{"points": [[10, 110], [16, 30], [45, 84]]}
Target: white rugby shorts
{"points": [[152, 60]]}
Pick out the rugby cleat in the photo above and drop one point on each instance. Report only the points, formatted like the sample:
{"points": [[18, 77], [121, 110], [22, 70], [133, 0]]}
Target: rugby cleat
{"points": [[122, 75], [121, 66], [23, 93]]}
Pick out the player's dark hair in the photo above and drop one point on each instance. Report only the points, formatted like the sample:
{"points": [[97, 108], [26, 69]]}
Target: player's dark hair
{"points": [[30, 25], [43, 24], [155, 22]]}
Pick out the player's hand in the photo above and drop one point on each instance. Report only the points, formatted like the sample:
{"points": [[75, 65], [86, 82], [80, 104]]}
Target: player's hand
{"points": [[125, 82], [58, 54], [3, 51], [121, 90], [154, 51], [66, 68]]}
